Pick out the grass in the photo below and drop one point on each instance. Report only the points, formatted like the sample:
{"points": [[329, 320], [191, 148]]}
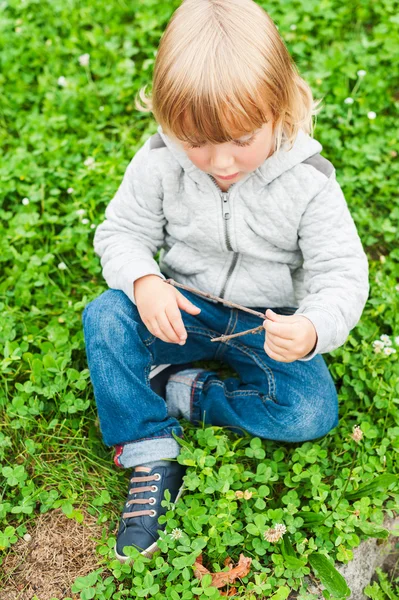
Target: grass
{"points": [[52, 197]]}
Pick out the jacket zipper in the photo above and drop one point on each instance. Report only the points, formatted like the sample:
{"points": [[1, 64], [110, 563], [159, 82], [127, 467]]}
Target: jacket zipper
{"points": [[226, 217]]}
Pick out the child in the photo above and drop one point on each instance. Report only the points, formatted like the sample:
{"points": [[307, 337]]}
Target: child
{"points": [[234, 192]]}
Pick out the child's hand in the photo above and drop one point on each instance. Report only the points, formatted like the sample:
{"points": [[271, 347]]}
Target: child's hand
{"points": [[288, 338], [158, 304]]}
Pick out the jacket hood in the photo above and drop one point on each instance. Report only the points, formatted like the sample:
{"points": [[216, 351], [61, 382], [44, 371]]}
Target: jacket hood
{"points": [[304, 147]]}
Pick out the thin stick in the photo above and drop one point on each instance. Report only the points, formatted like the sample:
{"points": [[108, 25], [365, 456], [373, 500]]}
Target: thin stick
{"points": [[222, 300], [223, 338]]}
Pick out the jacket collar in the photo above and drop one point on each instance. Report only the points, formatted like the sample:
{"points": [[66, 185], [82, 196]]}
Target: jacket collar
{"points": [[304, 147]]}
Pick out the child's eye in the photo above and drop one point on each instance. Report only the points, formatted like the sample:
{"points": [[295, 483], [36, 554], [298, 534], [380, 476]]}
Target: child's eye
{"points": [[237, 142], [246, 143]]}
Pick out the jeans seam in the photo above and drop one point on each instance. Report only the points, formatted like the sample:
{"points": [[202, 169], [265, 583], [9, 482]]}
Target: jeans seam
{"points": [[221, 349], [149, 340], [195, 385], [234, 392]]}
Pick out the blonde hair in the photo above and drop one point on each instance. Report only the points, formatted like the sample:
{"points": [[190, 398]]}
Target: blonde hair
{"points": [[222, 69]]}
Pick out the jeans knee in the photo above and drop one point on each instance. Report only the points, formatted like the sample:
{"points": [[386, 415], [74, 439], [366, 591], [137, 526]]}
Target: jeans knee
{"points": [[99, 314], [313, 420]]}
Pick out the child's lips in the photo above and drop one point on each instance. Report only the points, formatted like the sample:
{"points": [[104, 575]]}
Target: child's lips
{"points": [[228, 177]]}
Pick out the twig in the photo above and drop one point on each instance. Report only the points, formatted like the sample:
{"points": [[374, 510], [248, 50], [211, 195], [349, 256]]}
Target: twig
{"points": [[222, 300], [222, 338]]}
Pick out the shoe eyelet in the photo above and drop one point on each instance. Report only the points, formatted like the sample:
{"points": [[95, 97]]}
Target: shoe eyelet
{"points": [[158, 476], [153, 513], [154, 488], [154, 500]]}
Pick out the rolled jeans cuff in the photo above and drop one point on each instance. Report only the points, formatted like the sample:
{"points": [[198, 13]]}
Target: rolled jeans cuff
{"points": [[141, 452]]}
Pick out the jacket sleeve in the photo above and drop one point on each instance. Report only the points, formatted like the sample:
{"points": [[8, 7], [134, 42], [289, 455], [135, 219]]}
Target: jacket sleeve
{"points": [[335, 267], [133, 230]]}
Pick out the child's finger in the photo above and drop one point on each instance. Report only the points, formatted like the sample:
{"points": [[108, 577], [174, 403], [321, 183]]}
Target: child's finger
{"points": [[279, 342], [283, 330], [154, 328], [176, 321], [167, 329], [272, 353]]}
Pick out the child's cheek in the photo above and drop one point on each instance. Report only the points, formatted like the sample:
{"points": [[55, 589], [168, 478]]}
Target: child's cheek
{"points": [[198, 158]]}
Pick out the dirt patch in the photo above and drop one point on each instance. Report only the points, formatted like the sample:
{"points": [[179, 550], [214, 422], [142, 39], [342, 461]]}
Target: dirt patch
{"points": [[60, 550]]}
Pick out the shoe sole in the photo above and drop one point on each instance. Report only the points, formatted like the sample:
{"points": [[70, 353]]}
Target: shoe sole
{"points": [[155, 369], [148, 552]]}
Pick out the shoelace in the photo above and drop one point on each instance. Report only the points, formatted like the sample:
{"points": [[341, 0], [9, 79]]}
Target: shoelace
{"points": [[145, 488]]}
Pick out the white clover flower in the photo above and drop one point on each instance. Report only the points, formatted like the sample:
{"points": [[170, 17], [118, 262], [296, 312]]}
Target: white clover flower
{"points": [[293, 27], [85, 221], [27, 537], [84, 60], [386, 339], [80, 211], [397, 340], [62, 81], [357, 434], [349, 100], [281, 528], [378, 343], [378, 346], [361, 73], [25, 201], [62, 266], [70, 190], [371, 115], [275, 534], [389, 351], [176, 534], [89, 162], [93, 226]]}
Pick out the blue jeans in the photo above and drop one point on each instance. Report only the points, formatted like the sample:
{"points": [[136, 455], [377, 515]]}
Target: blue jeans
{"points": [[290, 402]]}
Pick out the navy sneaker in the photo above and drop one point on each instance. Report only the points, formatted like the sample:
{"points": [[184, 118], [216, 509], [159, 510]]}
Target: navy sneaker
{"points": [[160, 374], [139, 523]]}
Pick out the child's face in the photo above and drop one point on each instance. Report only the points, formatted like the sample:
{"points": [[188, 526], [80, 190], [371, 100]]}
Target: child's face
{"points": [[239, 157]]}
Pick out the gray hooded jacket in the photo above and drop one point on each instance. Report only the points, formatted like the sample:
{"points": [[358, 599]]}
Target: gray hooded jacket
{"points": [[282, 236]]}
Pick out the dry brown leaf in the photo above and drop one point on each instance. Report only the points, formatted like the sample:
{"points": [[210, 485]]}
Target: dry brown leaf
{"points": [[232, 591], [222, 578]]}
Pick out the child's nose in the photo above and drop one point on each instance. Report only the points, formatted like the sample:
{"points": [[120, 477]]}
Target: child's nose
{"points": [[221, 160]]}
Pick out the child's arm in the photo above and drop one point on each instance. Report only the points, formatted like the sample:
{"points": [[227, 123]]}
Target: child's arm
{"points": [[336, 268], [132, 232]]}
